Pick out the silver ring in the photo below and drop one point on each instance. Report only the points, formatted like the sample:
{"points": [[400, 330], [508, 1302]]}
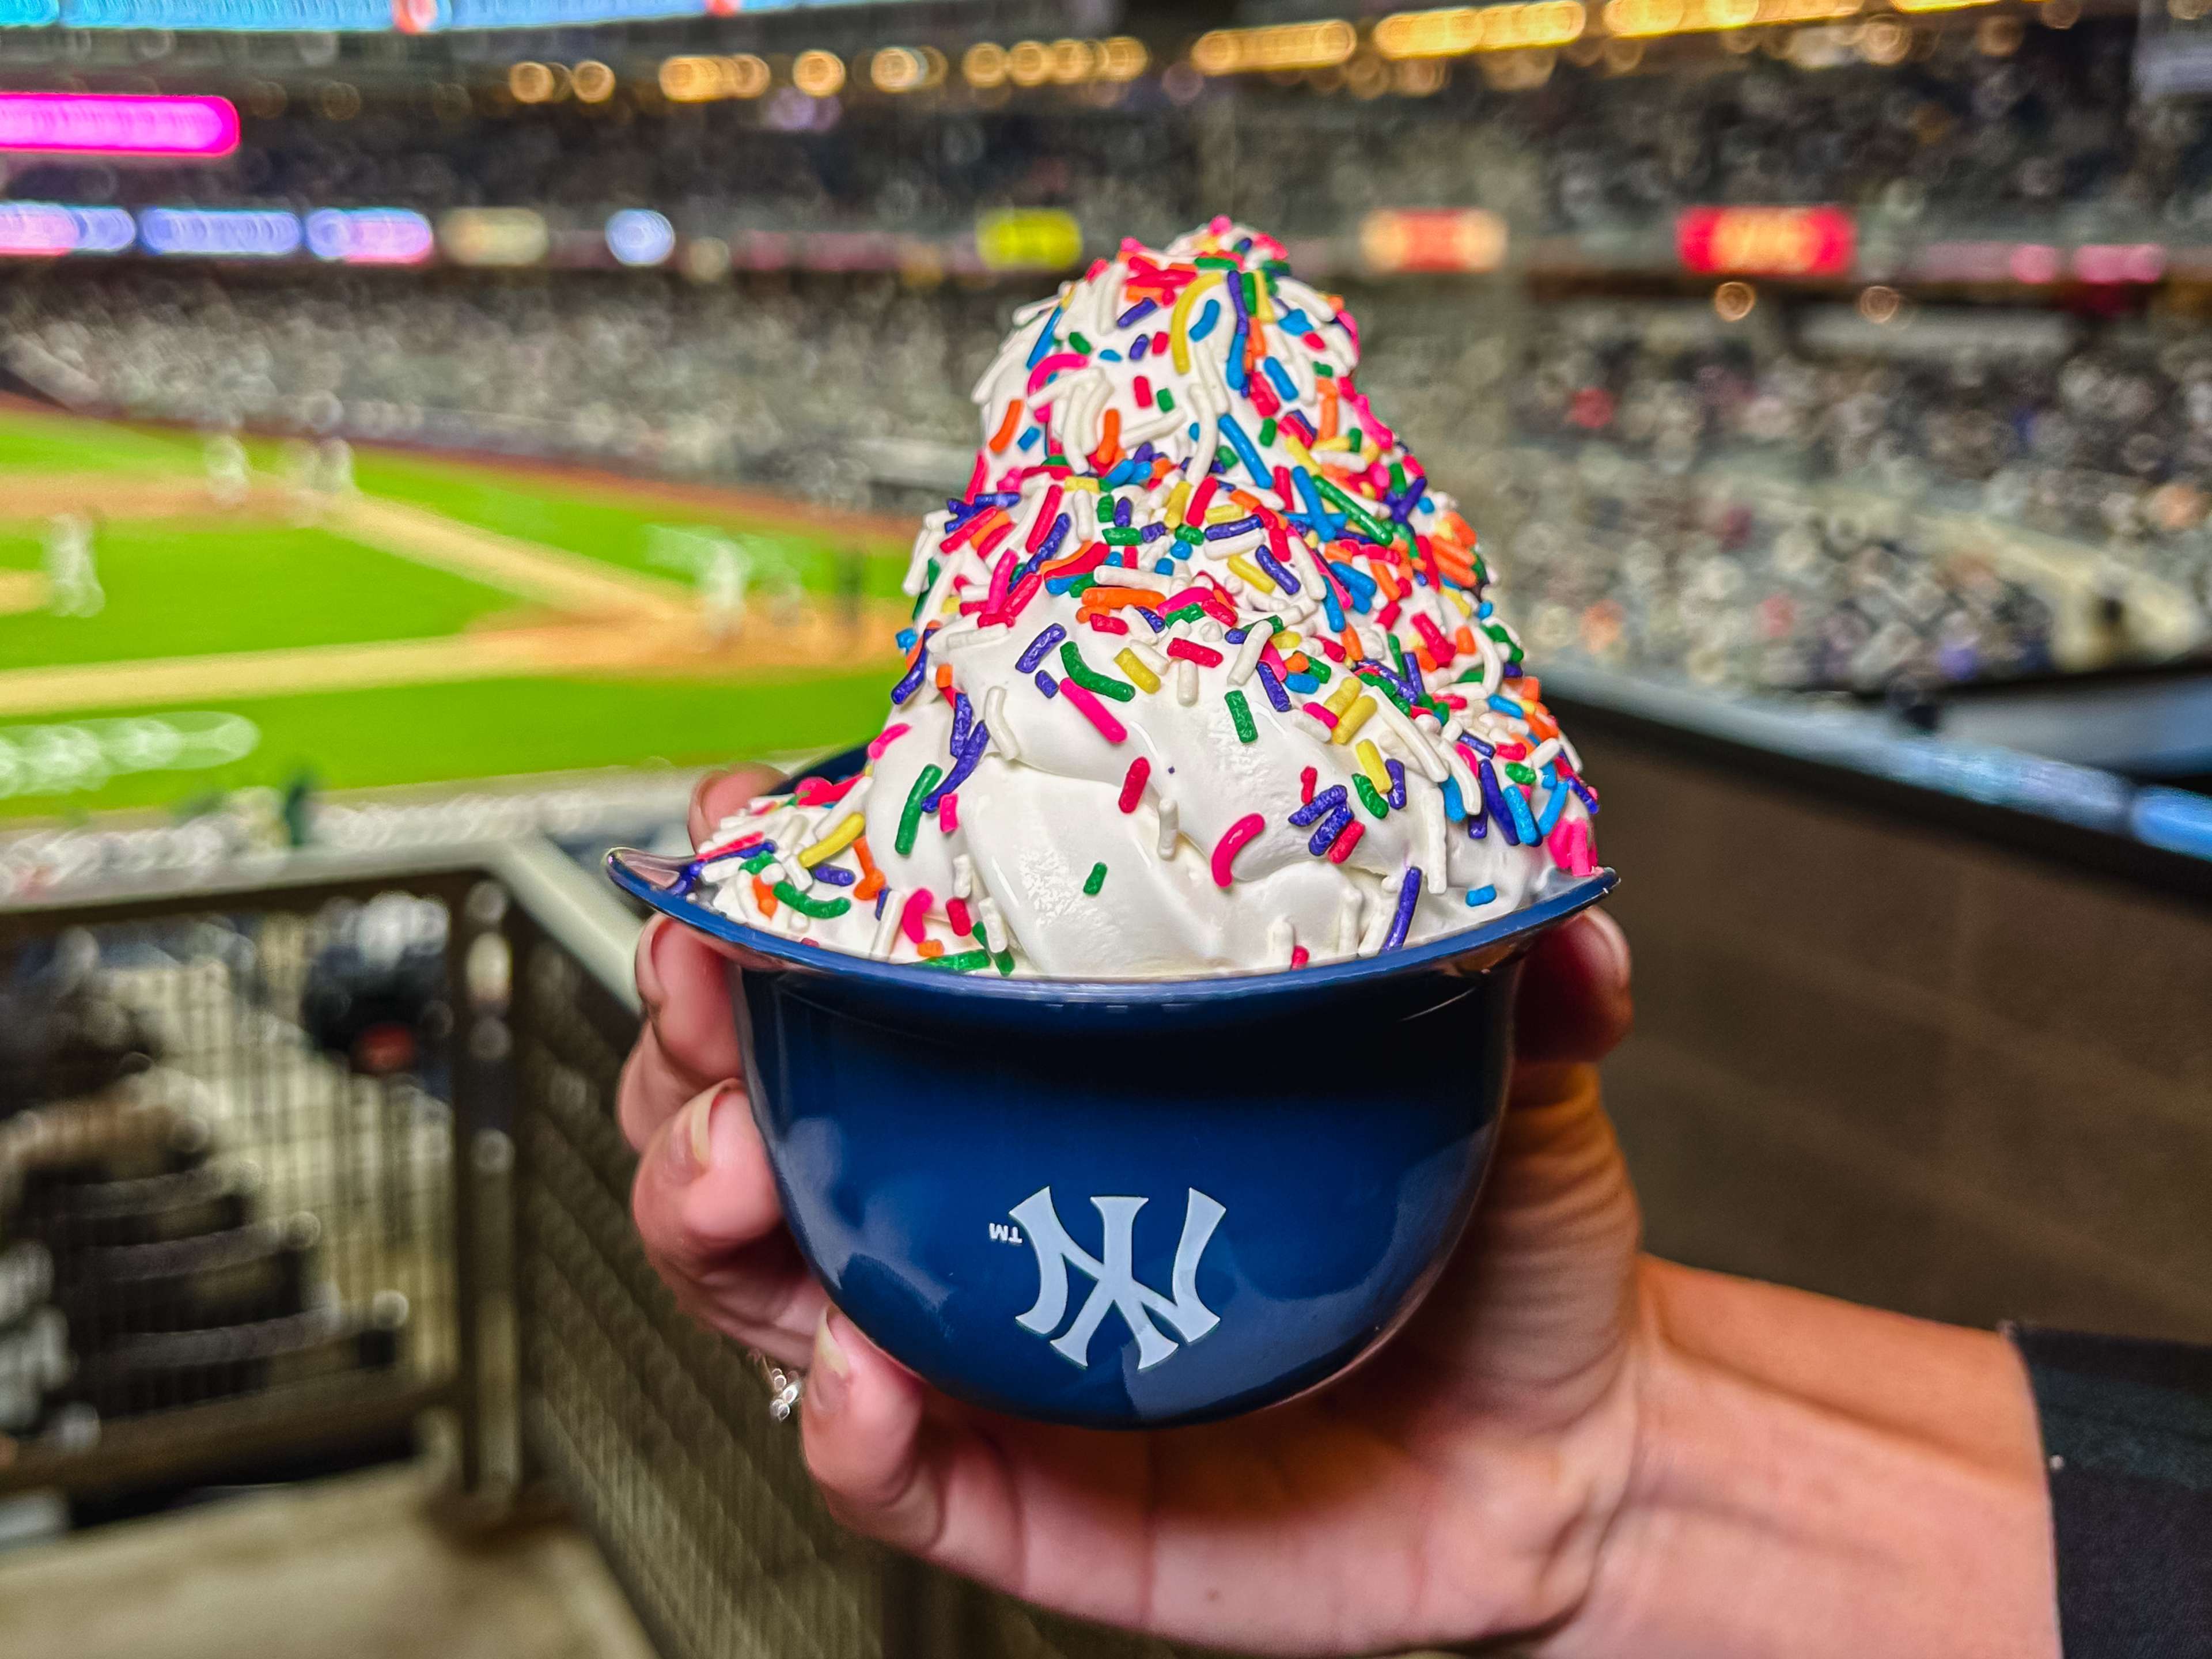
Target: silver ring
{"points": [[785, 1385]]}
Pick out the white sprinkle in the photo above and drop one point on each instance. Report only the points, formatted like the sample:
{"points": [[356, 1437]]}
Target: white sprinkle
{"points": [[1114, 575], [1186, 682], [995, 924], [1247, 655], [1348, 920], [1282, 939], [1545, 753], [994, 717], [1429, 815], [1168, 828], [963, 875], [1152, 659], [886, 928]]}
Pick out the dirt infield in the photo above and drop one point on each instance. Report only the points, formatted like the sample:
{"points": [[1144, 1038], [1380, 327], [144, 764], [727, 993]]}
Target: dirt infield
{"points": [[36, 496], [22, 591], [676, 648]]}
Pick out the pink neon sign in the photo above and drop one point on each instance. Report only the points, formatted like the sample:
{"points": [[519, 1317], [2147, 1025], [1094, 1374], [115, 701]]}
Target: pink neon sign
{"points": [[116, 123]]}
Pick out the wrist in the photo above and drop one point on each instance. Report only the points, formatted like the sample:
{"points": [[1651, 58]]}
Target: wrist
{"points": [[1812, 1478]]}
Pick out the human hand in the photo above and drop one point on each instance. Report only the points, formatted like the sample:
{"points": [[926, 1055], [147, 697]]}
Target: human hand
{"points": [[1457, 1486]]}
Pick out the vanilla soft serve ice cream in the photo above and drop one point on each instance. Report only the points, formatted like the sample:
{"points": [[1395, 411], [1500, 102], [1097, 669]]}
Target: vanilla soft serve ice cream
{"points": [[1203, 675]]}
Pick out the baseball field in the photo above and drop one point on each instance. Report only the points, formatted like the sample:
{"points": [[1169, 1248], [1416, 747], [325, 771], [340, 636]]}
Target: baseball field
{"points": [[435, 619]]}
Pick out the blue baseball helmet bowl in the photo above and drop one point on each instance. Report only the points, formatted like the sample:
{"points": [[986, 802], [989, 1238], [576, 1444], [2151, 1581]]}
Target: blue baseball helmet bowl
{"points": [[1124, 1203]]}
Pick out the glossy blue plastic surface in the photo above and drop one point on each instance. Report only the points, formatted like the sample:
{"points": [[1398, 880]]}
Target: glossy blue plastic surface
{"points": [[1125, 1203]]}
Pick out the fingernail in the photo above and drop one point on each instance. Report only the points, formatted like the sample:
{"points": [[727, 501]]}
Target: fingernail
{"points": [[1616, 946], [825, 1386], [651, 988], [691, 1140]]}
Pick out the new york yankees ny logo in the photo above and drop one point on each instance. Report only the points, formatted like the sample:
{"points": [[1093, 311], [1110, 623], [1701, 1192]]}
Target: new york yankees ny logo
{"points": [[1115, 1286]]}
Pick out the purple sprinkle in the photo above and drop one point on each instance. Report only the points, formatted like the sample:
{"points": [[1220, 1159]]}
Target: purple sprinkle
{"points": [[966, 762], [1222, 532], [1512, 670], [905, 688], [1152, 618], [882, 894], [1121, 514], [833, 875], [1053, 538], [1046, 683], [1136, 313], [1277, 569], [1144, 453], [1235, 636], [1331, 828], [1482, 751], [1276, 695], [1397, 768], [1327, 801], [1494, 797], [1051, 635], [1409, 895], [1476, 829], [1582, 793], [1137, 351], [963, 715], [1152, 532]]}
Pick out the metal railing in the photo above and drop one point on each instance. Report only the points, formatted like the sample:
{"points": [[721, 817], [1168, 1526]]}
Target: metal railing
{"points": [[329, 1155]]}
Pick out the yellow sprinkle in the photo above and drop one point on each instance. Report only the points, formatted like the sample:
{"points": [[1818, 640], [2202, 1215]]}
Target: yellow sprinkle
{"points": [[1349, 722], [1147, 681], [1223, 515], [1177, 499], [1286, 640], [1179, 320], [1263, 303], [1091, 484], [846, 832], [1252, 573], [1339, 441], [1300, 452], [1370, 761], [1340, 698]]}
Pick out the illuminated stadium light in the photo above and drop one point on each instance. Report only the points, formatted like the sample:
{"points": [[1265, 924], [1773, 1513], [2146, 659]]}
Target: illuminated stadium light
{"points": [[1278, 46], [817, 73], [898, 69], [592, 82], [1732, 301], [698, 80], [370, 236], [533, 83], [494, 236], [1646, 18], [984, 64], [1122, 57], [219, 233], [1432, 240], [32, 230], [1464, 29], [2133, 262], [116, 124], [641, 237], [1028, 239], [1029, 63], [1766, 241]]}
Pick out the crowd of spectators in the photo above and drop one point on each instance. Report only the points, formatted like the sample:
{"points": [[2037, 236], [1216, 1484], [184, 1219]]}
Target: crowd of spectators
{"points": [[2045, 125]]}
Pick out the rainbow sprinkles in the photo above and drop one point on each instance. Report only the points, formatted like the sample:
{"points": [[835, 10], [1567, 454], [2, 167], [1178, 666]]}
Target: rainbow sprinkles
{"points": [[1203, 676]]}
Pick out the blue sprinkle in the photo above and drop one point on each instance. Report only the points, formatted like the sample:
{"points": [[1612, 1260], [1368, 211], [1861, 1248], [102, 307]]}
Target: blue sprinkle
{"points": [[1028, 439], [1554, 803], [1512, 710], [1208, 315], [1331, 828], [1409, 895], [1276, 695], [1304, 684], [1397, 768], [1326, 802], [1051, 635], [1136, 313], [1127, 470], [1163, 566], [1043, 346], [1482, 611], [904, 639], [1523, 821], [1454, 808], [1334, 610], [1282, 379], [1477, 897], [1245, 453], [1110, 355], [1222, 532], [1233, 369], [1046, 683], [833, 875], [1481, 748], [1364, 586], [1294, 321]]}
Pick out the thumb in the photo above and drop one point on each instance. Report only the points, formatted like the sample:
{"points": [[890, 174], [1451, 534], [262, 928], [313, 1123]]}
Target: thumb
{"points": [[862, 1425]]}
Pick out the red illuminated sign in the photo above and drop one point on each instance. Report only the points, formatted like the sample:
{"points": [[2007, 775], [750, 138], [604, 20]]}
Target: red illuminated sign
{"points": [[119, 124], [1766, 241]]}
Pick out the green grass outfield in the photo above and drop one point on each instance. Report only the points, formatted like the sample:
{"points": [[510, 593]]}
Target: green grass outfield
{"points": [[195, 586]]}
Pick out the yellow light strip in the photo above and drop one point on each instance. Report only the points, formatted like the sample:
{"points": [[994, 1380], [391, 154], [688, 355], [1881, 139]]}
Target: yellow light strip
{"points": [[1463, 29], [1280, 47]]}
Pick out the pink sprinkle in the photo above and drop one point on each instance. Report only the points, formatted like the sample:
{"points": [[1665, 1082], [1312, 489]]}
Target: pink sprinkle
{"points": [[1232, 843], [1320, 714], [1190, 650], [916, 913], [1042, 525], [1307, 780], [885, 738], [1569, 842], [948, 812], [1300, 956], [1094, 711], [1001, 578], [977, 479], [955, 910], [1200, 499], [1044, 371], [1132, 784]]}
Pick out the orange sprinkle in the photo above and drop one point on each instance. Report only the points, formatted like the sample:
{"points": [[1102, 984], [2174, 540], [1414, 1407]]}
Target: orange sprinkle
{"points": [[944, 677], [1421, 656], [929, 949], [1328, 409], [1386, 580], [1063, 563], [1005, 435], [1109, 441], [1351, 639], [1463, 637], [1540, 723], [1114, 598], [764, 895], [1530, 691], [871, 879]]}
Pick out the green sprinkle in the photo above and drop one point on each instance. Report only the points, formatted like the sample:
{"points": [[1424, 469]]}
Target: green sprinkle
{"points": [[1099, 684], [1382, 682], [1274, 622], [928, 586], [1184, 613], [910, 815], [1190, 534], [1370, 526], [1266, 432], [1373, 802], [1324, 370], [821, 910], [1121, 535], [1397, 477], [1006, 962], [1519, 773], [1224, 457], [966, 961], [1317, 668], [1094, 880], [1165, 399], [1082, 584], [1079, 343], [1214, 261], [758, 862], [1351, 437], [1240, 712]]}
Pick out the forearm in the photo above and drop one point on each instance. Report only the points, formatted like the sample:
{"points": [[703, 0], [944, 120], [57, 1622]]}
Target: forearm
{"points": [[1816, 1479]]}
